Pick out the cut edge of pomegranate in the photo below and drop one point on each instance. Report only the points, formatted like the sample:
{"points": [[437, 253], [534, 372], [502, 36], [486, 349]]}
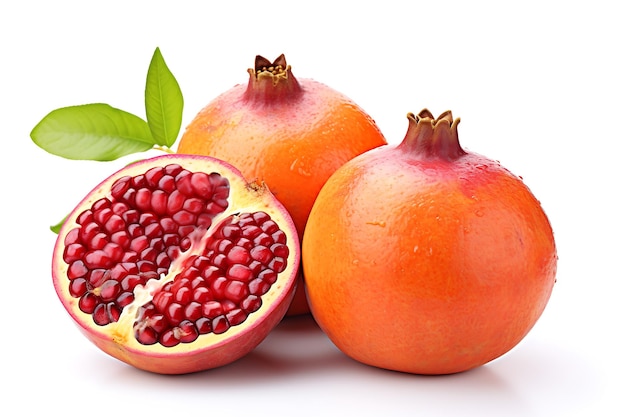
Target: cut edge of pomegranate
{"points": [[118, 339]]}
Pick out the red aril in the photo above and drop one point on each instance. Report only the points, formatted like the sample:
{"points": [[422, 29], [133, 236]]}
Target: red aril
{"points": [[176, 264]]}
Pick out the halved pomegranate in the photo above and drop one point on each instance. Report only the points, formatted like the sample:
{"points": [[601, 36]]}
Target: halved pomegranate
{"points": [[176, 264]]}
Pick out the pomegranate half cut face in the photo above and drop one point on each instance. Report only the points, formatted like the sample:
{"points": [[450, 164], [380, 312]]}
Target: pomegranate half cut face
{"points": [[176, 264]]}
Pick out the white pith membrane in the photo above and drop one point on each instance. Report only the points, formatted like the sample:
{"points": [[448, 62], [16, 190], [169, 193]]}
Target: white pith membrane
{"points": [[243, 198]]}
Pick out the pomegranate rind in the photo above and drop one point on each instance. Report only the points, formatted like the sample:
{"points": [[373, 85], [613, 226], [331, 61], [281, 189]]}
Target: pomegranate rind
{"points": [[290, 133], [439, 270], [209, 350]]}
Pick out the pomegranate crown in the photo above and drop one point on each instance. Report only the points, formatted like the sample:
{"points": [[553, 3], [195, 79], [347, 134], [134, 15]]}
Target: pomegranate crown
{"points": [[271, 80], [433, 137]]}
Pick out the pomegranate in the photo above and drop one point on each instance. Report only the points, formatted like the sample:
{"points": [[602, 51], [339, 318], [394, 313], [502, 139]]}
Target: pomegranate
{"points": [[176, 264], [288, 133], [427, 258]]}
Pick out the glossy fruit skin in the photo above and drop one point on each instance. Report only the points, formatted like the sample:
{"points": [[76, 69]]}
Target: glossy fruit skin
{"points": [[427, 264], [290, 134], [208, 350]]}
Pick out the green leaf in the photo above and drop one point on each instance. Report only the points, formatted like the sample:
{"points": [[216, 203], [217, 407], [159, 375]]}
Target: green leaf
{"points": [[57, 227], [92, 132], [164, 102]]}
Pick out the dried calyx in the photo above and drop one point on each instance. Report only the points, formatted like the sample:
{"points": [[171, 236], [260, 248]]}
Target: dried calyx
{"points": [[433, 137], [271, 80]]}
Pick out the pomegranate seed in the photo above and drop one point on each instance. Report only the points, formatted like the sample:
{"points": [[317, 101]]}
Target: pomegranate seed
{"points": [[236, 291], [122, 238], [114, 251], [115, 224], [280, 249], [78, 287], [212, 309], [163, 260], [186, 332], [101, 216], [244, 243], [278, 264], [203, 325], [170, 239], [211, 273], [138, 181], [236, 316], [153, 175], [221, 193], [279, 237], [251, 232], [184, 218], [218, 287], [125, 299], [129, 282], [258, 287], [109, 290], [72, 237], [175, 313], [167, 184], [220, 324], [168, 339], [261, 254], [101, 204], [120, 186], [159, 202], [153, 230], [113, 311], [268, 276], [251, 304], [202, 295], [97, 258], [131, 216], [231, 231], [172, 169], [88, 303], [201, 185], [269, 227], [147, 218], [239, 273], [238, 255], [85, 217], [146, 336], [119, 207], [175, 202], [100, 315], [98, 241], [143, 198], [159, 323], [205, 220], [162, 300], [148, 254], [183, 295], [193, 311], [73, 252], [194, 205], [139, 243], [97, 277], [88, 231]]}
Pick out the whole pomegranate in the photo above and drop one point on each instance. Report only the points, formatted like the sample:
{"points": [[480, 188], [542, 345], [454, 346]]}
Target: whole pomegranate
{"points": [[426, 258], [289, 134], [175, 264]]}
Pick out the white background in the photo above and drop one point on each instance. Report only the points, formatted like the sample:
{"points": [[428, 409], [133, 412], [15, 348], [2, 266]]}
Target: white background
{"points": [[539, 85]]}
